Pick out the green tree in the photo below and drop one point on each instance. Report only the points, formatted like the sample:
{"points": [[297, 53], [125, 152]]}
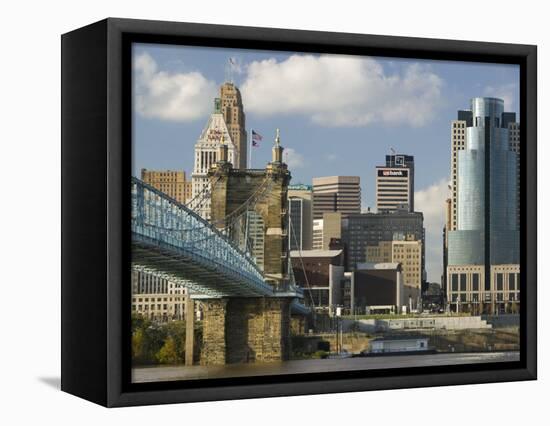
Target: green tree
{"points": [[176, 331], [137, 345], [168, 354]]}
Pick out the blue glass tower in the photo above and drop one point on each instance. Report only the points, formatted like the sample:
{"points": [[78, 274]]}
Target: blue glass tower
{"points": [[487, 191]]}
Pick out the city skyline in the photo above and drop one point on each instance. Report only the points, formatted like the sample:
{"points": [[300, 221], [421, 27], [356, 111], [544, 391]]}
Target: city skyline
{"points": [[425, 95]]}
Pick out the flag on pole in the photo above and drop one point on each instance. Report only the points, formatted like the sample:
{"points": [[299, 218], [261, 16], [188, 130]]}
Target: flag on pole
{"points": [[256, 138]]}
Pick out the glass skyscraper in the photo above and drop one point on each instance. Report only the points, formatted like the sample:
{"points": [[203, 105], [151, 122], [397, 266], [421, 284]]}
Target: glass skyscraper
{"points": [[486, 190]]}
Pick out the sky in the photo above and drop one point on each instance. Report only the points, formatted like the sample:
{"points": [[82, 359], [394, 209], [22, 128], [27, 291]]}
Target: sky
{"points": [[337, 114]]}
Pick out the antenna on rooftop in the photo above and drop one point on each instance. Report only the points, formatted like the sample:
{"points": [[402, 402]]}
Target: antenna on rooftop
{"points": [[229, 68]]}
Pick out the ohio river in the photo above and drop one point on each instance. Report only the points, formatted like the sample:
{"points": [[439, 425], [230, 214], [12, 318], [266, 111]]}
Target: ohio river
{"points": [[166, 373]]}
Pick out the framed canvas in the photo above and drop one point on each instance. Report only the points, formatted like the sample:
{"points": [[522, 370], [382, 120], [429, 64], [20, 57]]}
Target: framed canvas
{"points": [[255, 212]]}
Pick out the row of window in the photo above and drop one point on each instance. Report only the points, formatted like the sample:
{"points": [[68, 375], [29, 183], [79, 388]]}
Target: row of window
{"points": [[158, 307], [157, 299], [476, 297], [459, 281]]}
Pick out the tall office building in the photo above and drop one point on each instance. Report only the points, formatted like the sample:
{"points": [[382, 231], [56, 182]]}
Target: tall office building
{"points": [[509, 120], [336, 194], [235, 119], [483, 246], [446, 229], [300, 214], [369, 229], [395, 183], [172, 183], [458, 143], [206, 155]]}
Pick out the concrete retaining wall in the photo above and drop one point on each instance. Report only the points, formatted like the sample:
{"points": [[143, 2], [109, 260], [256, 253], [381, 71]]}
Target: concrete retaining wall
{"points": [[444, 323]]}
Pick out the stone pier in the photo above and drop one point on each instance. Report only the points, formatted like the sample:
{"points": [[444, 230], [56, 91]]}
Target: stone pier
{"points": [[253, 329], [239, 330]]}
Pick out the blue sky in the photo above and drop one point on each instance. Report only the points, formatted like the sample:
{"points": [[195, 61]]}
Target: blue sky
{"points": [[338, 115]]}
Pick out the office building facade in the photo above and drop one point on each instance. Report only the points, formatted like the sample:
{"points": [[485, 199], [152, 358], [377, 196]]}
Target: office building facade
{"points": [[336, 194], [403, 249], [207, 150], [458, 143], [300, 215], [395, 184], [156, 298], [485, 198], [172, 183], [369, 229], [235, 119], [317, 235]]}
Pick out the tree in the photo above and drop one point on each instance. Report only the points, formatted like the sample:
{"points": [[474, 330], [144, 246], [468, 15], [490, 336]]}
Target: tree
{"points": [[137, 344], [168, 354]]}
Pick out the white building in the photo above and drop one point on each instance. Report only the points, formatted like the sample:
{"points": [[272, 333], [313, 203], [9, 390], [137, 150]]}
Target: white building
{"points": [[156, 298], [317, 240], [206, 155]]}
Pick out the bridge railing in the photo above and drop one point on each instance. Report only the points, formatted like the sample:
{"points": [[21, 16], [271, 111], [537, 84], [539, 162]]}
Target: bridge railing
{"points": [[158, 216]]}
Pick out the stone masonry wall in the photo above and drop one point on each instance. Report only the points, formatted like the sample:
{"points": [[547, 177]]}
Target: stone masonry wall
{"points": [[258, 330], [213, 333], [233, 188], [245, 330]]}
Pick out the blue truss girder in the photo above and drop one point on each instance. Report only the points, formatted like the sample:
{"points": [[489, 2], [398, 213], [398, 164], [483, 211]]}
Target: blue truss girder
{"points": [[171, 240]]}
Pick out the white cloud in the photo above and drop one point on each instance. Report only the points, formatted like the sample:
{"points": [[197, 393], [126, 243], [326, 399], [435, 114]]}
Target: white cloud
{"points": [[337, 90], [172, 96], [507, 92], [293, 159], [431, 202]]}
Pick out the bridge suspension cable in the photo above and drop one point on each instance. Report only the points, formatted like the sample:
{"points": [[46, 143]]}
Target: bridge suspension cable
{"points": [[301, 261]]}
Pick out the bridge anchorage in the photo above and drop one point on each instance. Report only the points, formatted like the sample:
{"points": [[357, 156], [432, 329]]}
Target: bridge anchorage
{"points": [[236, 266]]}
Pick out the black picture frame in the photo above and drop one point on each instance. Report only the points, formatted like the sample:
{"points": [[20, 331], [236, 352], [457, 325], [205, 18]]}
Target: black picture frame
{"points": [[96, 144]]}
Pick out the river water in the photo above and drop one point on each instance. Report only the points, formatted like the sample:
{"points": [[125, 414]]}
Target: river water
{"points": [[180, 372]]}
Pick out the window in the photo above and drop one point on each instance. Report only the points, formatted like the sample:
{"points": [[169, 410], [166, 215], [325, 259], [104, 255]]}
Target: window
{"points": [[475, 282], [454, 282], [511, 281], [499, 282], [462, 282]]}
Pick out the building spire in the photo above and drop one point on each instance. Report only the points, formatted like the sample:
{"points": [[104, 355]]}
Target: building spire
{"points": [[277, 156]]}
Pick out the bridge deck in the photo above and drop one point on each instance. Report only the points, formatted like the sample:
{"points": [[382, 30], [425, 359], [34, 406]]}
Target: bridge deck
{"points": [[172, 241]]}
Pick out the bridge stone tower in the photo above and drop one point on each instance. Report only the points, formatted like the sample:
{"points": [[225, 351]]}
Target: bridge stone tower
{"points": [[266, 193], [251, 329]]}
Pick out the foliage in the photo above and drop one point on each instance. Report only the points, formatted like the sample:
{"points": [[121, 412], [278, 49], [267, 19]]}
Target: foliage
{"points": [[154, 343], [168, 353]]}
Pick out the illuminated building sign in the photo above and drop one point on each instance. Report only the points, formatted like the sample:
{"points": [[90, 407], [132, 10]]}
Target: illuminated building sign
{"points": [[393, 173]]}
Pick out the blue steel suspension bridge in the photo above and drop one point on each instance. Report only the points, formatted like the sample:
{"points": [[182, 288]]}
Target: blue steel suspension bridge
{"points": [[172, 241]]}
